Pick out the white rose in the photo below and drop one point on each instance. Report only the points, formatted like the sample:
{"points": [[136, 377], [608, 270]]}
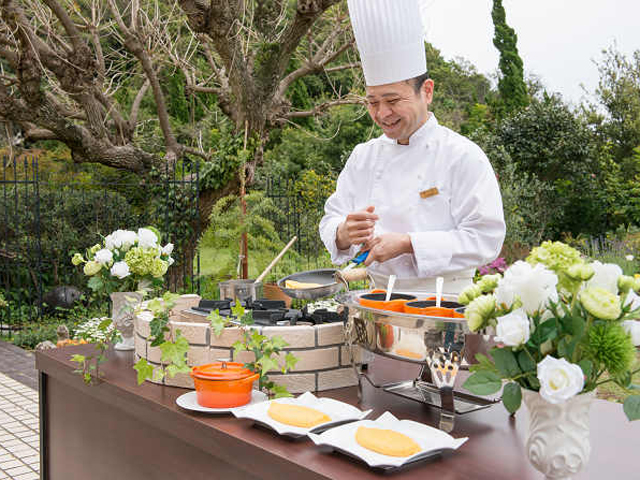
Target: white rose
{"points": [[127, 239], [632, 327], [120, 270], [103, 256], [606, 276], [559, 379], [633, 299], [534, 285], [146, 238], [513, 328], [167, 249]]}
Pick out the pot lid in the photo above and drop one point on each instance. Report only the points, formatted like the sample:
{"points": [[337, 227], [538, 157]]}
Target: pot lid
{"points": [[221, 371]]}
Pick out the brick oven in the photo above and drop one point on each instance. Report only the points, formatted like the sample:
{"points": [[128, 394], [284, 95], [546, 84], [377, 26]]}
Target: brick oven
{"points": [[323, 358]]}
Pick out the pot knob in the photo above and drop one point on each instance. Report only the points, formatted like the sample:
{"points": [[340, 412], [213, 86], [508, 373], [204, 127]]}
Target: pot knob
{"points": [[223, 362]]}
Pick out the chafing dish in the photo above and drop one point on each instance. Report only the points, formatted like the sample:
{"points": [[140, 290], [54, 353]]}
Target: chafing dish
{"points": [[438, 344]]}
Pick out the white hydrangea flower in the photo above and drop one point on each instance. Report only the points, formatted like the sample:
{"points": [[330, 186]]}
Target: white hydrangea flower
{"points": [[103, 256], [534, 285], [167, 249], [606, 276], [559, 379], [146, 238]]}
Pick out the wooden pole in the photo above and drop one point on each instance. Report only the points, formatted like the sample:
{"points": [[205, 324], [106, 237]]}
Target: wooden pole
{"points": [[243, 203]]}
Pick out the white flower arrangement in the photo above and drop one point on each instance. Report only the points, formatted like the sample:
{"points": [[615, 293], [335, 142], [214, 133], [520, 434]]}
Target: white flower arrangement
{"points": [[95, 331], [561, 323], [125, 259]]}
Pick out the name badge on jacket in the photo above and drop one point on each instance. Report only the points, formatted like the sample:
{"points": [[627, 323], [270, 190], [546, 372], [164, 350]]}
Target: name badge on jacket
{"points": [[430, 192]]}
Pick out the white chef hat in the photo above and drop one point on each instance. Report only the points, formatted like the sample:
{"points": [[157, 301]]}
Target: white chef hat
{"points": [[390, 39]]}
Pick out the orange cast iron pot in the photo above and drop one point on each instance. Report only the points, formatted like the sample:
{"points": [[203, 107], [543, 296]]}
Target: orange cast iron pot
{"points": [[375, 299], [223, 384]]}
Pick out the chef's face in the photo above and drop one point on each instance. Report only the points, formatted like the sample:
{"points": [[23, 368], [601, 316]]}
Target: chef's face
{"points": [[398, 109]]}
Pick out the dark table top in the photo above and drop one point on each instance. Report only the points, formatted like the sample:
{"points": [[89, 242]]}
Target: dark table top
{"points": [[495, 449]]}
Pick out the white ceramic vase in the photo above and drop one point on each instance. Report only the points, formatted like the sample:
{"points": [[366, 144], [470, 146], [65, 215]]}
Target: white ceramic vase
{"points": [[558, 441], [122, 314]]}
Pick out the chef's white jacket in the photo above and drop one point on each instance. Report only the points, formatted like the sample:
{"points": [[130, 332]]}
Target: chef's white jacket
{"points": [[458, 229]]}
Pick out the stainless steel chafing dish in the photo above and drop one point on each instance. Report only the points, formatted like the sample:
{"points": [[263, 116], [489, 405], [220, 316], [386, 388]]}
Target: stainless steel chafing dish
{"points": [[440, 345]]}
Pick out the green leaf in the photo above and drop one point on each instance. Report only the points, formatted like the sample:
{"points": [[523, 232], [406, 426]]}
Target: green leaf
{"points": [[103, 325], [290, 361], [631, 407], [174, 369], [158, 375], [586, 366], [218, 322], [512, 397], [483, 364], [483, 383], [278, 343], [280, 391], [247, 319], [266, 364], [237, 311], [78, 358], [95, 283], [239, 346], [506, 362], [175, 352], [144, 370], [526, 362], [547, 330], [157, 328]]}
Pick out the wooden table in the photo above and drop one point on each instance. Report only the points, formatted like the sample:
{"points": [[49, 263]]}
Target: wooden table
{"points": [[118, 430]]}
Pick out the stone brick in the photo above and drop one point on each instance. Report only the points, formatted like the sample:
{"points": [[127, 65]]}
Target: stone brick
{"points": [[142, 324], [140, 346], [344, 355], [330, 334], [195, 333], [197, 356], [215, 354], [185, 302], [187, 316], [182, 380], [244, 357], [153, 353], [295, 336], [341, 377], [316, 359], [228, 337], [296, 382]]}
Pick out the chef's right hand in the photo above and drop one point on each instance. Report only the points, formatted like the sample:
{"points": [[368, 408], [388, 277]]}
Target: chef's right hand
{"points": [[356, 229]]}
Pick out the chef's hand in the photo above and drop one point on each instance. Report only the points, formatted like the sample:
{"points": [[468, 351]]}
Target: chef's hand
{"points": [[356, 229], [388, 246]]}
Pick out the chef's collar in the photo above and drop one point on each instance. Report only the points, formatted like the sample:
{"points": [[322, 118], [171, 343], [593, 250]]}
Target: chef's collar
{"points": [[421, 133]]}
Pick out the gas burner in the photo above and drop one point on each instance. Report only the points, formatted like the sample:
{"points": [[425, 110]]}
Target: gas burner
{"points": [[269, 312]]}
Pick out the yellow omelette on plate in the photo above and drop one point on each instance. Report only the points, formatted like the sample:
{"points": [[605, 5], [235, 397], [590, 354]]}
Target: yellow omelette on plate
{"points": [[386, 442], [297, 415]]}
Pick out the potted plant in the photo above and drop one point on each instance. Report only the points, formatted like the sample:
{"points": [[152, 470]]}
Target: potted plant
{"points": [[122, 266], [563, 326]]}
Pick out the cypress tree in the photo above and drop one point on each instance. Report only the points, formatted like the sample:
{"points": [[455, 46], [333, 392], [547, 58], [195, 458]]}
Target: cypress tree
{"points": [[511, 86]]}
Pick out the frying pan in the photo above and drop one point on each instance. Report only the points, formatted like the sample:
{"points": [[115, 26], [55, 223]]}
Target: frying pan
{"points": [[331, 281], [324, 277]]}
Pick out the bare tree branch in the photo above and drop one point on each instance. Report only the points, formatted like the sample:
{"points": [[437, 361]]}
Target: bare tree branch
{"points": [[133, 116], [322, 107]]}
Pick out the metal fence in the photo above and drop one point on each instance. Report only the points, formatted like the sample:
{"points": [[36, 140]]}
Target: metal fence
{"points": [[43, 223]]}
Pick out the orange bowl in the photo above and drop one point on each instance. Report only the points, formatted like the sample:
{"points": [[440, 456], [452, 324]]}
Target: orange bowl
{"points": [[376, 299], [223, 384]]}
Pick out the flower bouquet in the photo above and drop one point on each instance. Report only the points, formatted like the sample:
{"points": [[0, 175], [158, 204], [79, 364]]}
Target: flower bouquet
{"points": [[125, 265], [563, 327], [125, 261]]}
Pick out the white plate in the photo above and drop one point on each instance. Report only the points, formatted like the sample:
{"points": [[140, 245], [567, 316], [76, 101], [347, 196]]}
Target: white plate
{"points": [[339, 412], [189, 401], [431, 440]]}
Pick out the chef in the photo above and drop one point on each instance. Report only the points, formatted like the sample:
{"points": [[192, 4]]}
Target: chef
{"points": [[421, 198]]}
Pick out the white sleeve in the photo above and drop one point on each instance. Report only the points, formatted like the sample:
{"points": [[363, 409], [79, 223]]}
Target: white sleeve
{"points": [[476, 208], [336, 209]]}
